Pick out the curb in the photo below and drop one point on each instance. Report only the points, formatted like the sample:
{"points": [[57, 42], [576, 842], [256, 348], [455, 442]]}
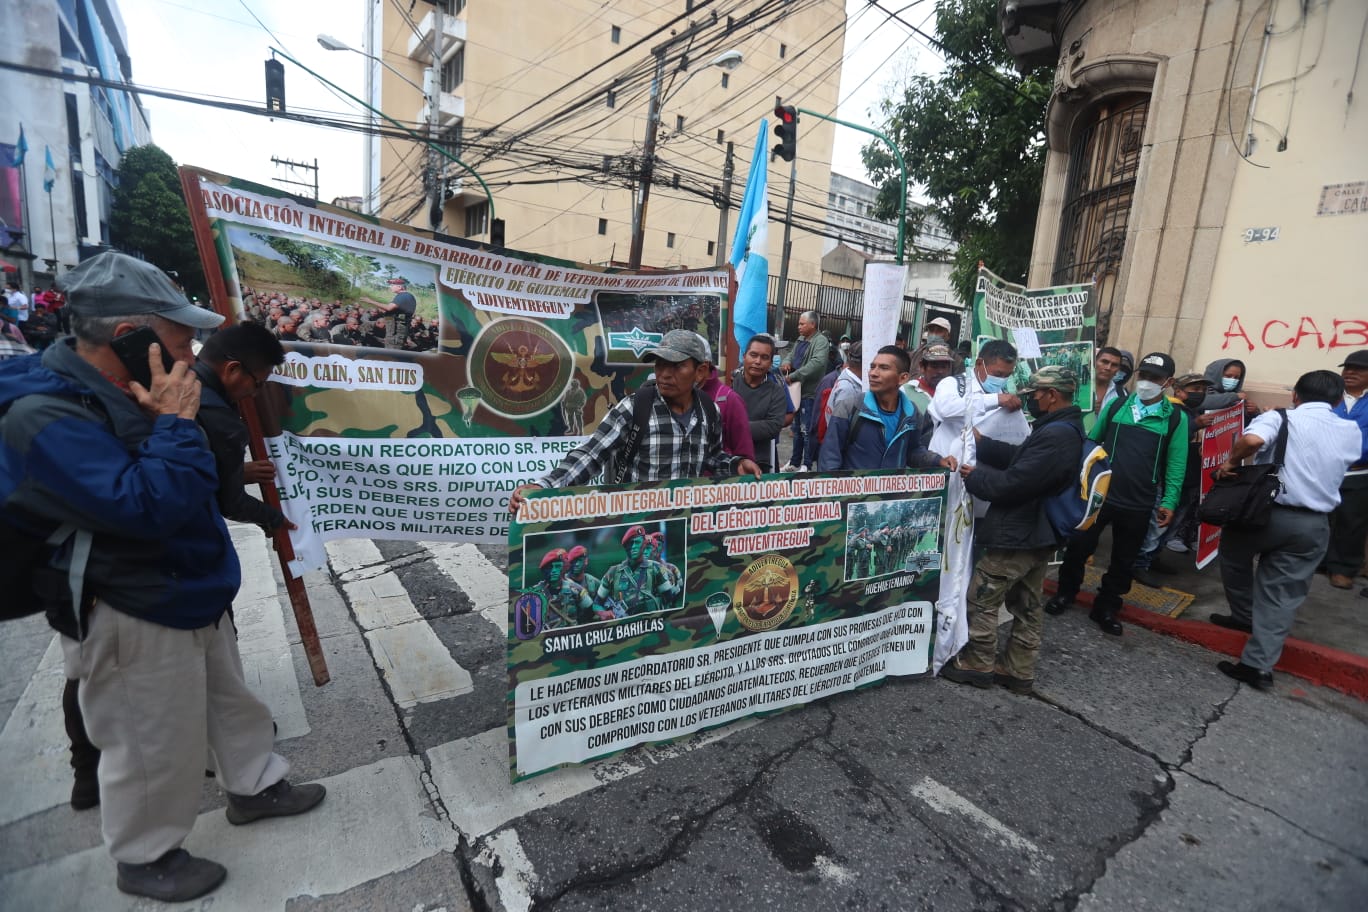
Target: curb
{"points": [[1322, 665]]}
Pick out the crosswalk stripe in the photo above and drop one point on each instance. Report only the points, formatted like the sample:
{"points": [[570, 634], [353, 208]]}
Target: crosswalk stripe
{"points": [[416, 664], [483, 583], [259, 617], [315, 854], [33, 745]]}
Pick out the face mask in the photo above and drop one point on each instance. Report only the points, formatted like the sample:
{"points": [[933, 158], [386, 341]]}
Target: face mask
{"points": [[1034, 408], [1120, 377], [1229, 383], [775, 362], [845, 347], [993, 384], [1194, 400], [1148, 390]]}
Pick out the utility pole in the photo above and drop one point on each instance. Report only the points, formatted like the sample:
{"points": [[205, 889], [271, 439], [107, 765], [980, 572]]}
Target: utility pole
{"points": [[647, 162], [787, 249], [294, 164], [724, 203], [435, 195]]}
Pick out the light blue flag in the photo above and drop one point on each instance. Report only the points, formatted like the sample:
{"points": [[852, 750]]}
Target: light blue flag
{"points": [[750, 247], [49, 170], [20, 148]]}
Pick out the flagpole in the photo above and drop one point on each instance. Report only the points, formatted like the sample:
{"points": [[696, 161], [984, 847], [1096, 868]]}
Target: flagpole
{"points": [[28, 219], [52, 223]]}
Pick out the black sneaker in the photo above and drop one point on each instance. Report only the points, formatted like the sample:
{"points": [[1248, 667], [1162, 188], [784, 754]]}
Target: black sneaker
{"points": [[177, 876], [1059, 604], [1147, 577], [279, 800], [1230, 622], [952, 672]]}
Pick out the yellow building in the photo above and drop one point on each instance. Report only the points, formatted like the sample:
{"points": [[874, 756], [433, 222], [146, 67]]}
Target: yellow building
{"points": [[1207, 163], [548, 102]]}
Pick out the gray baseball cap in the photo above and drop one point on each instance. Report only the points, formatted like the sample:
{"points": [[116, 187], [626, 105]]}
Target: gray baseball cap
{"points": [[115, 284], [680, 345]]}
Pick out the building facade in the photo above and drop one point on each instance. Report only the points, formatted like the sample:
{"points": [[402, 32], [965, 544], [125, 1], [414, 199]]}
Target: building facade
{"points": [[1206, 165], [85, 128], [548, 102]]}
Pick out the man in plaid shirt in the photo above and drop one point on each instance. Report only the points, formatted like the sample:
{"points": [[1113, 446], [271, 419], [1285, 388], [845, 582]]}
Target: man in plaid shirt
{"points": [[683, 438]]}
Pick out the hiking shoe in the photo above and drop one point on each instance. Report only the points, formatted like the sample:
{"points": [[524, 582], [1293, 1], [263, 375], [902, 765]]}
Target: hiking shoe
{"points": [[952, 672], [177, 876], [279, 800], [1023, 686]]}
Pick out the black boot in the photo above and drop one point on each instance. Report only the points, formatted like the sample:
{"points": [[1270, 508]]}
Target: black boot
{"points": [[1059, 604], [1106, 620], [177, 876], [85, 757]]}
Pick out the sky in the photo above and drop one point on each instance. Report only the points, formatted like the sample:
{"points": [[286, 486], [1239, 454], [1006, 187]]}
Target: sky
{"points": [[214, 47]]}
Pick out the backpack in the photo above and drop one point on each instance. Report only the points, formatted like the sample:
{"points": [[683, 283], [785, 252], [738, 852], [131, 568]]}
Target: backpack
{"points": [[1074, 507], [643, 400]]}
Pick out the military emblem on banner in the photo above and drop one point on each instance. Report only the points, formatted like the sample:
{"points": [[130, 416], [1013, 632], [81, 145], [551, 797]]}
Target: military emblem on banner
{"points": [[519, 367], [766, 593]]}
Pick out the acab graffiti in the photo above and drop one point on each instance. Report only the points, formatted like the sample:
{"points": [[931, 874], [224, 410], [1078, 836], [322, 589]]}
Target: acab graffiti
{"points": [[1281, 334]]}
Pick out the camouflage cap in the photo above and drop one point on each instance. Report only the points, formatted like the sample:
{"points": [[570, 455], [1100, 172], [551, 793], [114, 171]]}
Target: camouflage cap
{"points": [[1052, 377], [1188, 380], [938, 352]]}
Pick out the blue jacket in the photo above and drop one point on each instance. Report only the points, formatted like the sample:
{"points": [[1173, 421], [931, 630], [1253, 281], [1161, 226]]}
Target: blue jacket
{"points": [[866, 448], [74, 448], [1358, 415]]}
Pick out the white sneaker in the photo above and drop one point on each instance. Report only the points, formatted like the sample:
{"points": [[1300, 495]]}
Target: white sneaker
{"points": [[803, 468], [788, 468], [1177, 545]]}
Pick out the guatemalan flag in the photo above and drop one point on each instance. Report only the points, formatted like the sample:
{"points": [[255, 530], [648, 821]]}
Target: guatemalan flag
{"points": [[750, 248]]}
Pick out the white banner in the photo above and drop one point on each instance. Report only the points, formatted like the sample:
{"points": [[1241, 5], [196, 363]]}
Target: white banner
{"points": [[574, 717], [883, 299]]}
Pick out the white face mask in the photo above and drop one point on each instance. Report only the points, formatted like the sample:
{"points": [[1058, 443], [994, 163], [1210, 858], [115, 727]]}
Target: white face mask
{"points": [[1148, 390]]}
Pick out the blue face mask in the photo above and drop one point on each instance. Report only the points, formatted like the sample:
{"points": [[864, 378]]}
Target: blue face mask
{"points": [[993, 384], [775, 362], [1229, 383]]}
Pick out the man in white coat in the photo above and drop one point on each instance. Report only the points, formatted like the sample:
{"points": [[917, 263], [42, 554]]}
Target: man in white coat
{"points": [[974, 400]]}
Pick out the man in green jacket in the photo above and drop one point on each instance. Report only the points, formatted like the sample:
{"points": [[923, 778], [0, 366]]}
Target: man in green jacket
{"points": [[1146, 437], [805, 364]]}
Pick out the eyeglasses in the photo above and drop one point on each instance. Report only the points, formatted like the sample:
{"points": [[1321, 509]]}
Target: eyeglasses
{"points": [[257, 382]]}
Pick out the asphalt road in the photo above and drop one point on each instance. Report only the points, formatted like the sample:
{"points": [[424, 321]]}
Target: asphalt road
{"points": [[1137, 778]]}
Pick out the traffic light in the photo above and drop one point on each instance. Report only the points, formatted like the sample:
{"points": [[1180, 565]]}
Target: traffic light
{"points": [[787, 131], [496, 233], [275, 86]]}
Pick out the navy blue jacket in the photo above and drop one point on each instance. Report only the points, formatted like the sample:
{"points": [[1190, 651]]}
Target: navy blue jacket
{"points": [[74, 448], [866, 448]]}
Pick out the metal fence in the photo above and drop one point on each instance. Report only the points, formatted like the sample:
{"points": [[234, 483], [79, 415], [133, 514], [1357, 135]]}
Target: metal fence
{"points": [[839, 310]]}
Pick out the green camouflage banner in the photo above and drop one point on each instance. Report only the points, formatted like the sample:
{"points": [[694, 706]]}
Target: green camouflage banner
{"points": [[640, 613], [426, 376], [1049, 326]]}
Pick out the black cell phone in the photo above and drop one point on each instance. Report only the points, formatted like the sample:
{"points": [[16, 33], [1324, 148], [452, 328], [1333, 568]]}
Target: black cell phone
{"points": [[132, 351]]}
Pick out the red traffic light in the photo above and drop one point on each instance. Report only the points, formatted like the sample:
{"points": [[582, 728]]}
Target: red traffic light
{"points": [[787, 131], [786, 113]]}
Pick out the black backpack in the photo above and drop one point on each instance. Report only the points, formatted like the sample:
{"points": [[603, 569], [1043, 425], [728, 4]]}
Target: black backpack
{"points": [[643, 400]]}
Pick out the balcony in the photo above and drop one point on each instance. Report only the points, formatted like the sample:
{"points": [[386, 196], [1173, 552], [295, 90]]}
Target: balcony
{"points": [[453, 38], [451, 107]]}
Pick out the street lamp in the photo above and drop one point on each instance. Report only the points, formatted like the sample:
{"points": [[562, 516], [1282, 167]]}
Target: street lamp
{"points": [[727, 60], [334, 44]]}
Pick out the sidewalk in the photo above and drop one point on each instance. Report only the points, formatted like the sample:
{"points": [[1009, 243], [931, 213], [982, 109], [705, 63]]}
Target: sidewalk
{"points": [[1329, 641]]}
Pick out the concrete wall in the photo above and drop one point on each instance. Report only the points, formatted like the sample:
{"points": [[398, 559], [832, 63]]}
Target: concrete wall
{"points": [[1187, 271]]}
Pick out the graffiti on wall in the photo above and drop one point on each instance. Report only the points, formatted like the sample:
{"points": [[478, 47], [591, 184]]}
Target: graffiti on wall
{"points": [[1306, 332]]}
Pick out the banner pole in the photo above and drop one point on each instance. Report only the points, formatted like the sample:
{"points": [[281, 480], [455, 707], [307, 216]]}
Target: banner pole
{"points": [[218, 295]]}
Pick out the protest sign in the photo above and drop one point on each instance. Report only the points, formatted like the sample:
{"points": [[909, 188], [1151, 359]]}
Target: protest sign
{"points": [[645, 612], [1051, 326], [1218, 441], [426, 376]]}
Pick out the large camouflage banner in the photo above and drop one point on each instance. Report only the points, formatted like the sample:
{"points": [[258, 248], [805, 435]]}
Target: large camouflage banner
{"points": [[426, 376], [1049, 326], [640, 613]]}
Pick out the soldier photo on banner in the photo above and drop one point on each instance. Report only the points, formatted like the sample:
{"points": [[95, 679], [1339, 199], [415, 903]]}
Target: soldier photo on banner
{"points": [[426, 377]]}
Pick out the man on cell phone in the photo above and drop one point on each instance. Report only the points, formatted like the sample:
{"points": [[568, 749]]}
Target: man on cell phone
{"points": [[84, 444]]}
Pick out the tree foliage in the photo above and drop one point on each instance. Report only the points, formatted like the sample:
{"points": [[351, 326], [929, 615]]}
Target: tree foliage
{"points": [[973, 137], [148, 216]]}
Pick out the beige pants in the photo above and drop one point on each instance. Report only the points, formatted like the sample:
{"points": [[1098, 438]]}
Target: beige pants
{"points": [[154, 698]]}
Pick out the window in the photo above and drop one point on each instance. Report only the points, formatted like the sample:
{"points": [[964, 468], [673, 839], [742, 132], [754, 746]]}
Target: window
{"points": [[603, 226], [669, 239], [679, 123], [451, 7], [617, 35], [712, 246], [477, 219], [783, 51], [726, 79], [450, 139], [721, 136], [453, 71], [610, 99]]}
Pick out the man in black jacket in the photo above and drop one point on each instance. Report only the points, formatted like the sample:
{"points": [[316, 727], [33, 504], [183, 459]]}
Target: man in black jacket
{"points": [[234, 365], [1016, 537]]}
